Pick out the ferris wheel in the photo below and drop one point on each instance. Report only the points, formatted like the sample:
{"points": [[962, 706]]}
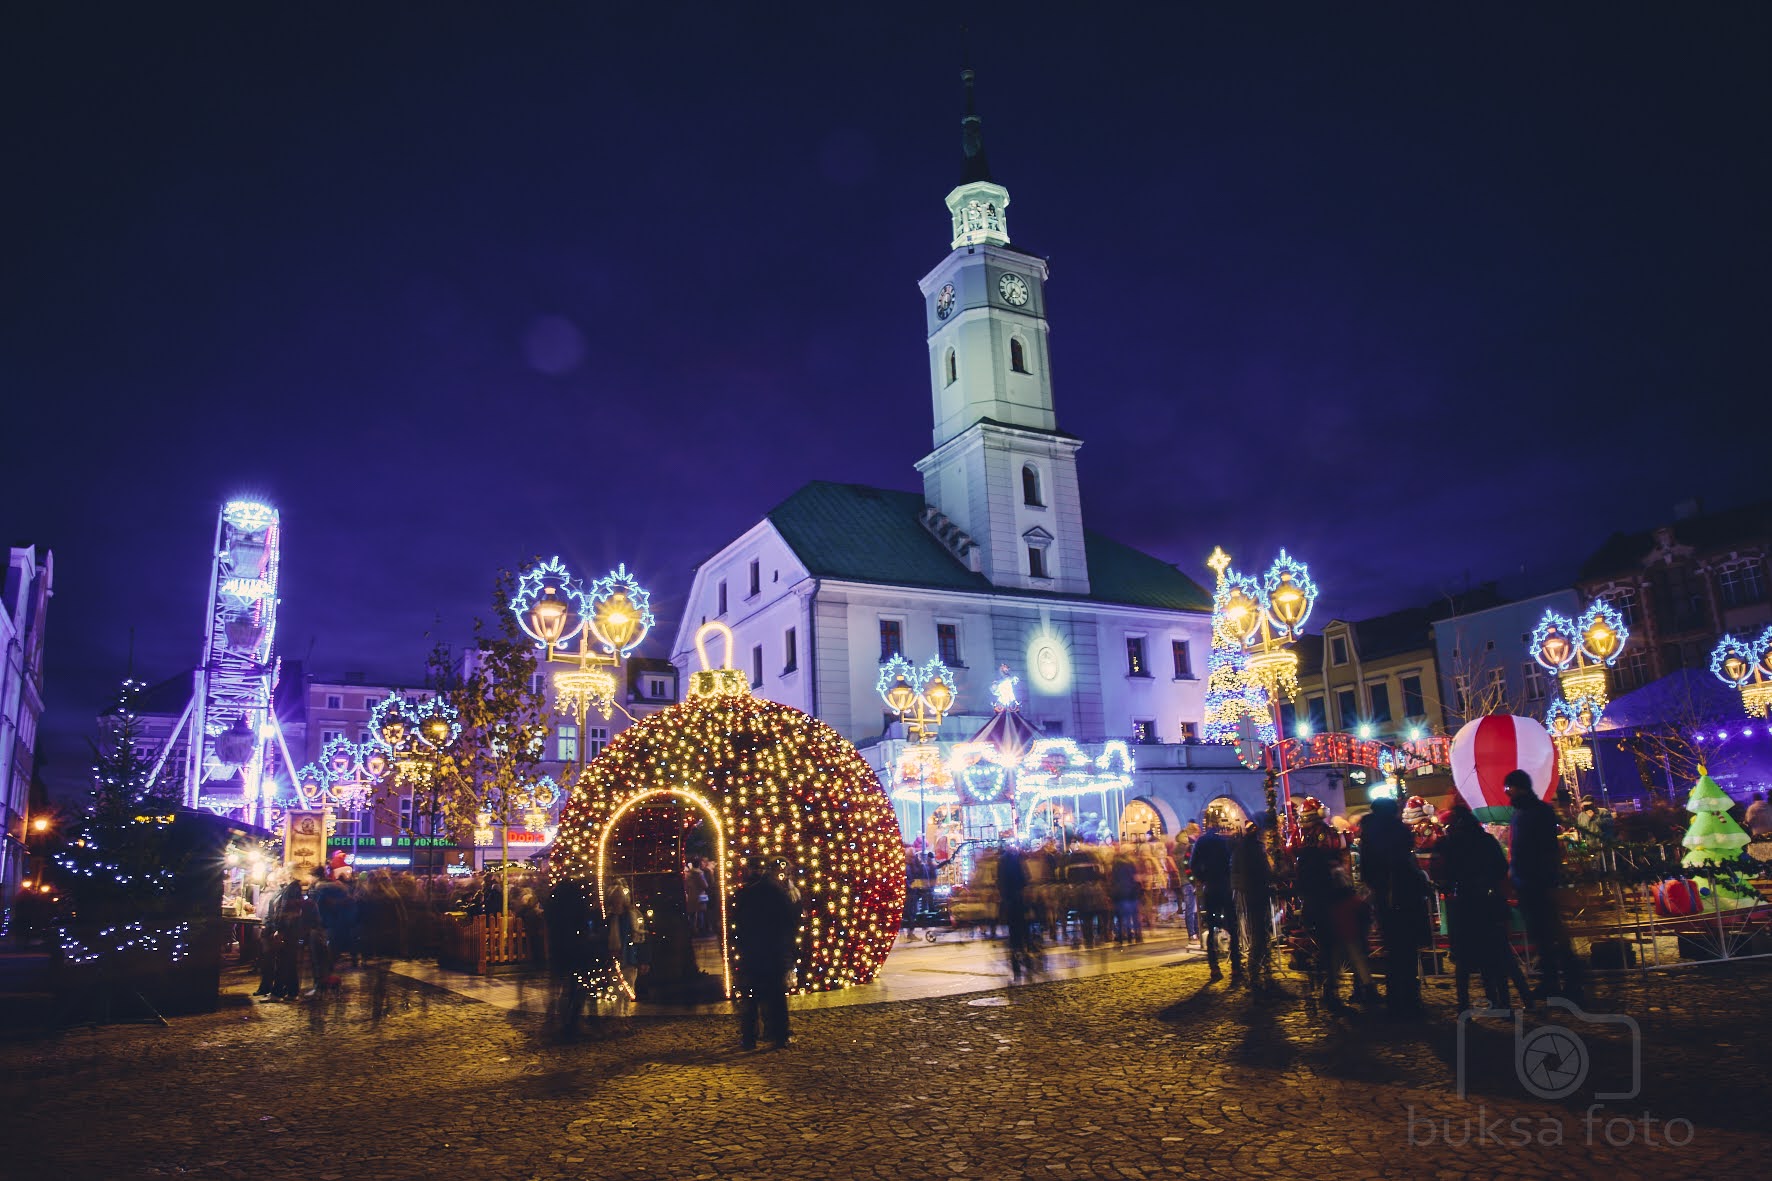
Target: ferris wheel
{"points": [[232, 723]]}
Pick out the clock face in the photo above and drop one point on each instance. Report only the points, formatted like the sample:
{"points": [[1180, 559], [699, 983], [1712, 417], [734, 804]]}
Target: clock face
{"points": [[944, 303], [1013, 289]]}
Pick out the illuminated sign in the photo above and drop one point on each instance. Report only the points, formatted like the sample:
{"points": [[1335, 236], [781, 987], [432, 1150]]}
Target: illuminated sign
{"points": [[1345, 750], [350, 842], [374, 860]]}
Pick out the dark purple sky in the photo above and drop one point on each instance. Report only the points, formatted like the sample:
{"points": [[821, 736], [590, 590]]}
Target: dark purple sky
{"points": [[1417, 293]]}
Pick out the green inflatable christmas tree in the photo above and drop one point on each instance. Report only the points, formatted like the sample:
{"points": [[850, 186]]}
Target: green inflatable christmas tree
{"points": [[1714, 837]]}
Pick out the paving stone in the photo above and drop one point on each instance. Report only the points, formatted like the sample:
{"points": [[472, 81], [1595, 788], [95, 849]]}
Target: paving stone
{"points": [[1141, 1073]]}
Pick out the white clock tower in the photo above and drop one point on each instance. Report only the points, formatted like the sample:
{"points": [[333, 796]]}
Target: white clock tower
{"points": [[1002, 474]]}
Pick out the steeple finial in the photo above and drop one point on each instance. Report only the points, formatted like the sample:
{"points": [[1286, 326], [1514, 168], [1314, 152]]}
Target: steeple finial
{"points": [[976, 167]]}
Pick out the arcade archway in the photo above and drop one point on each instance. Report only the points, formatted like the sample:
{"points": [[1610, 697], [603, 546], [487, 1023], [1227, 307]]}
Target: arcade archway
{"points": [[645, 844]]}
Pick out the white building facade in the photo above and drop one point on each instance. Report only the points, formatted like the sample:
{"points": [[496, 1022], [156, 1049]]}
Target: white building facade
{"points": [[24, 614], [989, 567]]}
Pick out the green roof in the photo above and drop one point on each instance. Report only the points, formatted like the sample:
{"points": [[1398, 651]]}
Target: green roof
{"points": [[863, 534]]}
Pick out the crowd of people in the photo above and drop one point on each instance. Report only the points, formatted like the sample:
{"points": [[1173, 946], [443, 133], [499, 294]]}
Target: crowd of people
{"points": [[1342, 898]]}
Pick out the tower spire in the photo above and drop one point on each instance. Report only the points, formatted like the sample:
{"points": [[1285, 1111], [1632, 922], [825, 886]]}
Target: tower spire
{"points": [[977, 167]]}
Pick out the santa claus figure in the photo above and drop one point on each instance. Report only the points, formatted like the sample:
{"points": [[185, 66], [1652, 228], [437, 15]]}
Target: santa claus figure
{"points": [[1422, 821]]}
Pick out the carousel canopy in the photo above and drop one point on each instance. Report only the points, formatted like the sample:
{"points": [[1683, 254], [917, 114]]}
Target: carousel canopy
{"points": [[1010, 733]]}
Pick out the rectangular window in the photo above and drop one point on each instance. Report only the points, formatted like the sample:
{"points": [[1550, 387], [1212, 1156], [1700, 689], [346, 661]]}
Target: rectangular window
{"points": [[756, 666], [891, 639], [596, 738], [1036, 562], [1135, 657], [1288, 719], [335, 701], [790, 651], [405, 813], [1414, 704], [330, 736], [1144, 731], [1347, 709], [538, 683], [947, 644], [1187, 731], [1184, 659], [658, 688], [566, 743], [1532, 674], [1741, 584], [1318, 716], [756, 578], [1338, 650], [1052, 728], [1380, 696], [1497, 689], [722, 609]]}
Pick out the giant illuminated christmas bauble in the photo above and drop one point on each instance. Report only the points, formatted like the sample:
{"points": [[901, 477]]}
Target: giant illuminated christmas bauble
{"points": [[775, 783]]}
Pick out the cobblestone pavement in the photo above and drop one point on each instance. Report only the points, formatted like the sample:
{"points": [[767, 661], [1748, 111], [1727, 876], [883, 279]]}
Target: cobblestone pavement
{"points": [[1140, 1074]]}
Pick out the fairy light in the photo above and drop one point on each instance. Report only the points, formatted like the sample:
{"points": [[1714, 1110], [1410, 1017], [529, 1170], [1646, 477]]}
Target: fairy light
{"points": [[774, 783]]}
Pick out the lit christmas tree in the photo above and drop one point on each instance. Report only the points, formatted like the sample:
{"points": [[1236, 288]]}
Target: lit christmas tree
{"points": [[123, 768]]}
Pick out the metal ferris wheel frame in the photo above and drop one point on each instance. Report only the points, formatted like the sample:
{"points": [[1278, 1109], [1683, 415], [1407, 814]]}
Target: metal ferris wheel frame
{"points": [[231, 714]]}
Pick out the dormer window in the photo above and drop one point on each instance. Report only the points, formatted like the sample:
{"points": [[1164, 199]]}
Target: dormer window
{"points": [[1018, 360], [951, 368], [1030, 486]]}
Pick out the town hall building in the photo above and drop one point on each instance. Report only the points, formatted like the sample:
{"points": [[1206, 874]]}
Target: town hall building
{"points": [[989, 567]]}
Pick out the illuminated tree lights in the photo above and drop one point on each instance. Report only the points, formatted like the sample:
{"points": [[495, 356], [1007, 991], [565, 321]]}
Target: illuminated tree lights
{"points": [[776, 783]]}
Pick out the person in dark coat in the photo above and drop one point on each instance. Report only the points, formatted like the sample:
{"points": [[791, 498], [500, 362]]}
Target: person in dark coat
{"points": [[1252, 888], [1399, 900], [1012, 909], [1470, 867], [1210, 867], [764, 922], [1536, 869], [578, 946]]}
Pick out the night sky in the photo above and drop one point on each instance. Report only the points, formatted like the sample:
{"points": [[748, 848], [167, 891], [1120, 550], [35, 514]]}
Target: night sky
{"points": [[1424, 295]]}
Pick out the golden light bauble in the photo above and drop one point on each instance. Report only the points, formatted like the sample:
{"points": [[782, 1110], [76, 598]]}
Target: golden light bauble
{"points": [[772, 782]]}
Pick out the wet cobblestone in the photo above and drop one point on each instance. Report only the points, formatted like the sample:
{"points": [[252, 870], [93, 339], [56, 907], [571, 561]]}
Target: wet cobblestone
{"points": [[1145, 1074]]}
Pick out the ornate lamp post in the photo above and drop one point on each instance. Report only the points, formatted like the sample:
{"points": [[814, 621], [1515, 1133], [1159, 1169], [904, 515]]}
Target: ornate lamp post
{"points": [[920, 697], [1748, 667], [609, 620], [1265, 619], [1579, 653], [417, 737]]}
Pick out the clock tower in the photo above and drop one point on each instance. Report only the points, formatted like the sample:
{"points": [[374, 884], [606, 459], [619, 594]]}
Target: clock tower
{"points": [[1001, 471]]}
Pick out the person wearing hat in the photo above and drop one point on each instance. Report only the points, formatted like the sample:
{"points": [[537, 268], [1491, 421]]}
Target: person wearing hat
{"points": [[1535, 868]]}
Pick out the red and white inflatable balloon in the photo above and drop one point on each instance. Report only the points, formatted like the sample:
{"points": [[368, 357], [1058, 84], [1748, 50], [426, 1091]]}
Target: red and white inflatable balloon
{"points": [[1484, 751]]}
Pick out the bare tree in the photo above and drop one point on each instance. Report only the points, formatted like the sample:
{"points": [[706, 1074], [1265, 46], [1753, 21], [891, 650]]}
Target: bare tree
{"points": [[1478, 686]]}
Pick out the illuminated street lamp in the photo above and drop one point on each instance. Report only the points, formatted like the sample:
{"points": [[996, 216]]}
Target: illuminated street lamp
{"points": [[417, 737], [609, 620], [920, 697], [1265, 619], [1579, 653], [1747, 667]]}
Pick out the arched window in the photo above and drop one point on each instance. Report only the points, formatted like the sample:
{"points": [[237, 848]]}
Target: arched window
{"points": [[1018, 360], [952, 365], [1030, 486]]}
